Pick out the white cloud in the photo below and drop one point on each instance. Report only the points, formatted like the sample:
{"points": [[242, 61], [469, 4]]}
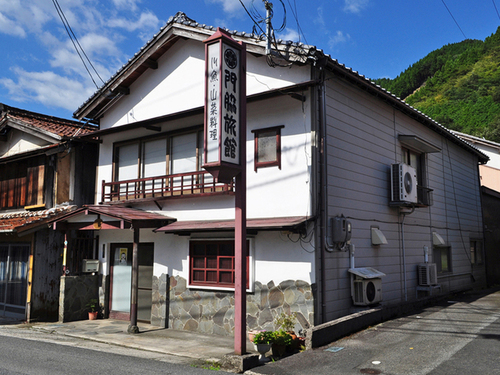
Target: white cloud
{"points": [[338, 37], [355, 6], [47, 88], [232, 7], [10, 27], [289, 34], [126, 4], [147, 20], [320, 19]]}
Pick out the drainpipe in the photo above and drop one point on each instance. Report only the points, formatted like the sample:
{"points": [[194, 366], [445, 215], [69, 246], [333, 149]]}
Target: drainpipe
{"points": [[324, 190], [404, 256], [404, 251]]}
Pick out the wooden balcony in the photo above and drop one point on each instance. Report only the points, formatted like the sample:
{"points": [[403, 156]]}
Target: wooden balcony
{"points": [[163, 187]]}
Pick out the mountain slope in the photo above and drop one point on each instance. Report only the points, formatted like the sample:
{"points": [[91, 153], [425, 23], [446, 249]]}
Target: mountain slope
{"points": [[457, 85]]}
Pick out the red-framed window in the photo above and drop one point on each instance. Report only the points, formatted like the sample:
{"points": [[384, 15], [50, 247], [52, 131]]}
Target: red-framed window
{"points": [[211, 263], [267, 147]]}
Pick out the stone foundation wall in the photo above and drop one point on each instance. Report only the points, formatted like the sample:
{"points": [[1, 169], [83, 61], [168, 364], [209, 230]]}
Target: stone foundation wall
{"points": [[159, 307], [212, 312]]}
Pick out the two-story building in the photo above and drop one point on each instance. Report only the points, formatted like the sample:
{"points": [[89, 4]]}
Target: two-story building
{"points": [[45, 172], [346, 187]]}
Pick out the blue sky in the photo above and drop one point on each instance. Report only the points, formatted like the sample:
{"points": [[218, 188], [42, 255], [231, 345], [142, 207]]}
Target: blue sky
{"points": [[41, 72]]}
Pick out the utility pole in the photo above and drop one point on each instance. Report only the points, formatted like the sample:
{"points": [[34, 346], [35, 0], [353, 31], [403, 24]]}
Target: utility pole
{"points": [[269, 7]]}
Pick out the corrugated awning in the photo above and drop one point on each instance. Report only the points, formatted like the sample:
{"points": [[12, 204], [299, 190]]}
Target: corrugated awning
{"points": [[367, 272], [112, 217], [293, 223]]}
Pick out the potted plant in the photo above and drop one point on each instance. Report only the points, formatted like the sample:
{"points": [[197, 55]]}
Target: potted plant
{"points": [[262, 342], [286, 322], [93, 307], [280, 340]]}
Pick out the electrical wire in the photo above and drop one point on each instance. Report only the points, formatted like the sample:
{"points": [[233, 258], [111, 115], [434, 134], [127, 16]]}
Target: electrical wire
{"points": [[294, 12], [498, 14], [74, 41], [446, 6]]}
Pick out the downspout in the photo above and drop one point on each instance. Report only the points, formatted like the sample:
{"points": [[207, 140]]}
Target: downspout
{"points": [[404, 256], [323, 187], [403, 249]]}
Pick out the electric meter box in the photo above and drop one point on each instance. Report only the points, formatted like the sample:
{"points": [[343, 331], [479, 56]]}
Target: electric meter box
{"points": [[341, 229], [90, 265]]}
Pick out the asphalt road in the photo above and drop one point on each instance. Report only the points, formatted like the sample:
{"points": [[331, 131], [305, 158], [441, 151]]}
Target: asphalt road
{"points": [[35, 353], [455, 337]]}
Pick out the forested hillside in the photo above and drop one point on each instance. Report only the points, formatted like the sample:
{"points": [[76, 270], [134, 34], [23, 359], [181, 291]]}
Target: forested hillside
{"points": [[457, 85]]}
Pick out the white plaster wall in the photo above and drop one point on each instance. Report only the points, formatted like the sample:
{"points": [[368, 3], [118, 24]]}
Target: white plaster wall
{"points": [[274, 256], [178, 84], [279, 258], [493, 153], [271, 192], [18, 142]]}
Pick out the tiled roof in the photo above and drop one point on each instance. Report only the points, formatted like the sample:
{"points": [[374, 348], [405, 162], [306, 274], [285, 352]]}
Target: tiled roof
{"points": [[58, 126], [23, 220]]}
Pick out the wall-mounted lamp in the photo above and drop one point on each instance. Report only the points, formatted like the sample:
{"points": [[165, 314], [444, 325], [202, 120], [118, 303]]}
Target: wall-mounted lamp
{"points": [[437, 240], [377, 237], [98, 222]]}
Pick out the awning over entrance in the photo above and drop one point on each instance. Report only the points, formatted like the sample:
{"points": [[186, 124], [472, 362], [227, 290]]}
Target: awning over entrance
{"points": [[295, 224], [24, 222], [110, 217]]}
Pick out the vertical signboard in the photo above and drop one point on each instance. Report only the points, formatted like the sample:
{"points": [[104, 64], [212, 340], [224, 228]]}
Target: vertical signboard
{"points": [[223, 106], [212, 111], [225, 149]]}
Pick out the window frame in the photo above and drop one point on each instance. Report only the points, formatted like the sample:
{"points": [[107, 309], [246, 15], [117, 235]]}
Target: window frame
{"points": [[168, 156], [437, 256], [217, 285], [265, 164], [475, 250]]}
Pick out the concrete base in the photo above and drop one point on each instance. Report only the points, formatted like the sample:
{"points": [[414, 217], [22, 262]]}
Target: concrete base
{"points": [[239, 363], [133, 329]]}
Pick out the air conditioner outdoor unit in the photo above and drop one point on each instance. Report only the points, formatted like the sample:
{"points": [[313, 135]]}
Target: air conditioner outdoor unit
{"points": [[427, 274], [367, 291], [403, 184]]}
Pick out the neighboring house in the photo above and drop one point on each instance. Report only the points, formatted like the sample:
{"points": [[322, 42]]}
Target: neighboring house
{"points": [[490, 181], [321, 142], [44, 172], [489, 172]]}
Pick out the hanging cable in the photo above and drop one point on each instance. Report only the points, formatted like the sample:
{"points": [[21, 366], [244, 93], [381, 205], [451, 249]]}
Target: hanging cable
{"points": [[74, 41], [498, 14], [294, 12], [454, 18]]}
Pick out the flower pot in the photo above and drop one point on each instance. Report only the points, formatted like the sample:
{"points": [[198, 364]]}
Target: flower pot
{"points": [[278, 350], [251, 335], [262, 349], [92, 315]]}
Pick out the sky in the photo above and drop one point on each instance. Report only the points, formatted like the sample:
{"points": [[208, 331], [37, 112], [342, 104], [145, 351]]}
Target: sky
{"points": [[41, 71]]}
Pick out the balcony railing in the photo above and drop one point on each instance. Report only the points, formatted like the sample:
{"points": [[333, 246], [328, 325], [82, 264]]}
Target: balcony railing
{"points": [[163, 187]]}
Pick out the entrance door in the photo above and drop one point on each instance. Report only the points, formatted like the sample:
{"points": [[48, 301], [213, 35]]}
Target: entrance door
{"points": [[14, 279], [121, 281]]}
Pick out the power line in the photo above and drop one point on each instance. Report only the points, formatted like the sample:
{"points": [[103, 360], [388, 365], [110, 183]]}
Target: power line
{"points": [[454, 18], [74, 40], [294, 12], [498, 14]]}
